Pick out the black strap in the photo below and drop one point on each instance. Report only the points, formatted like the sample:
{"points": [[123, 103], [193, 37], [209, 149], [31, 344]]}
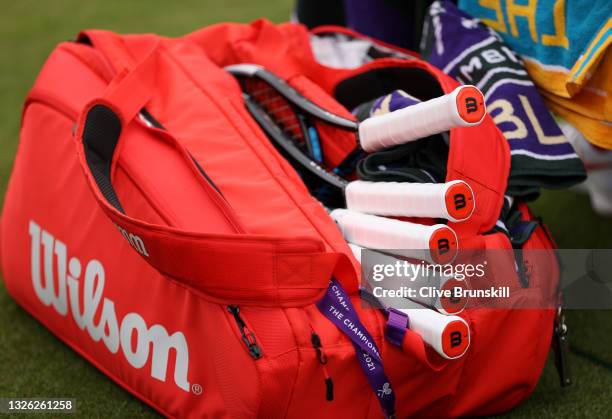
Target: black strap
{"points": [[100, 137], [422, 161]]}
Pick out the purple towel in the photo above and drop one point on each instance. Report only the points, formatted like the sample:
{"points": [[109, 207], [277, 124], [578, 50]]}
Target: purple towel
{"points": [[474, 54]]}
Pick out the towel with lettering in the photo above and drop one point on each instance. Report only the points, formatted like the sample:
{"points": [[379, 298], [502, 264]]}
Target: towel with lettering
{"points": [[475, 54]]}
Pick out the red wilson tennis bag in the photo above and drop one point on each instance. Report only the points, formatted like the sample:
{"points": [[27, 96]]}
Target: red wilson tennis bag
{"points": [[153, 227]]}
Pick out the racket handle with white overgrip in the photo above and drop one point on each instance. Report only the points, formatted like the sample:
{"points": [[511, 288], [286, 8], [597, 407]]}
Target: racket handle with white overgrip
{"points": [[356, 250], [453, 200], [463, 107], [418, 280], [374, 232], [448, 335]]}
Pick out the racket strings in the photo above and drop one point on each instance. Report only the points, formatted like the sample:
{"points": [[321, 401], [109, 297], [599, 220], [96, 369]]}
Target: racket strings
{"points": [[277, 108]]}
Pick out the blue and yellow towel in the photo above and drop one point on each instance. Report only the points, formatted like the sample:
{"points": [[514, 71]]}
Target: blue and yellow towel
{"points": [[565, 47]]}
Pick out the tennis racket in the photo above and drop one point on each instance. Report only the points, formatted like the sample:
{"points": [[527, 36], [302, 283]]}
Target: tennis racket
{"points": [[278, 107], [428, 282], [463, 107], [286, 117], [453, 200], [448, 335], [438, 242]]}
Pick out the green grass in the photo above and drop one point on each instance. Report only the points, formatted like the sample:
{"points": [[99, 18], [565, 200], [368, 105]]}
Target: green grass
{"points": [[34, 363]]}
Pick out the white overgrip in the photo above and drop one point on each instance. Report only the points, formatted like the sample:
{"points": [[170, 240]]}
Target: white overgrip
{"points": [[398, 198], [431, 326], [413, 122], [376, 232]]}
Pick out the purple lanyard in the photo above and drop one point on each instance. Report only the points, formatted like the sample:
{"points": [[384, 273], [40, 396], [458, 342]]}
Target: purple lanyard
{"points": [[337, 307]]}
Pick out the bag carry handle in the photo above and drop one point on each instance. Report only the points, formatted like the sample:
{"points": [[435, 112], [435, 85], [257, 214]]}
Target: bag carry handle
{"points": [[235, 267]]}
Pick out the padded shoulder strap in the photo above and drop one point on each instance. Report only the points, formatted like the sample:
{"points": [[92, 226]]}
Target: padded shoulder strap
{"points": [[225, 267]]}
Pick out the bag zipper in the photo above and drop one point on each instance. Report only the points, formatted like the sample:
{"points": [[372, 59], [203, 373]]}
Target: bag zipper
{"points": [[322, 357], [560, 346], [247, 335]]}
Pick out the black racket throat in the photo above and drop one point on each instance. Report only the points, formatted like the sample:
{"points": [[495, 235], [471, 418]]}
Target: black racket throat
{"points": [[326, 185], [242, 71], [288, 119]]}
